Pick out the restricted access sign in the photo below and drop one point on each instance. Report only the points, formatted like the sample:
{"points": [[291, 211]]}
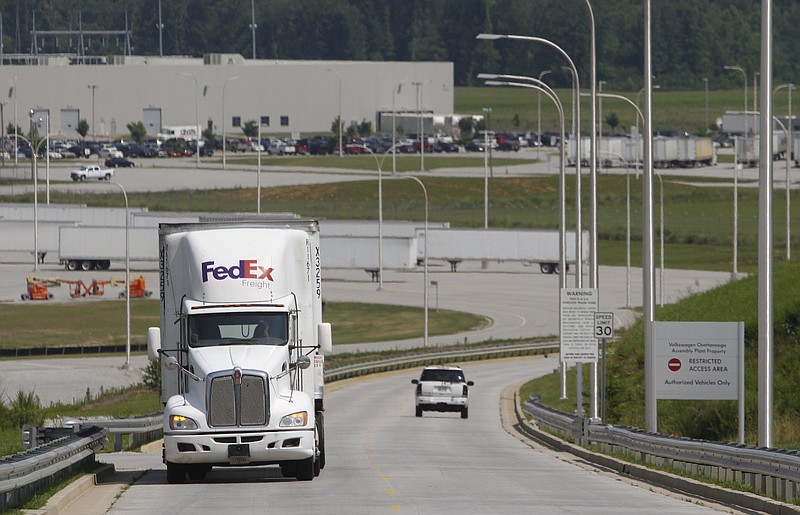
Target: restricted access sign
{"points": [[699, 360], [578, 342]]}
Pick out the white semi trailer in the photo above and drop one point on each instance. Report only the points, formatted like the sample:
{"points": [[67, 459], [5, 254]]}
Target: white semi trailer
{"points": [[241, 347]]}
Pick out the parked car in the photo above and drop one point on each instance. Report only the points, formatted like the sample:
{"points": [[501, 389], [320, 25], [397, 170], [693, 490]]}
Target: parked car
{"points": [[442, 388], [445, 146], [119, 162], [108, 151], [473, 146]]}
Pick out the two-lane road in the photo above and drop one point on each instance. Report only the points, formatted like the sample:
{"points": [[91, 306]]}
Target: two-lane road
{"points": [[381, 458]]}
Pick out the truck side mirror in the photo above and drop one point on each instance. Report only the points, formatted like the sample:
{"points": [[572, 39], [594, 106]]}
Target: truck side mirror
{"points": [[153, 342], [325, 339], [303, 362]]}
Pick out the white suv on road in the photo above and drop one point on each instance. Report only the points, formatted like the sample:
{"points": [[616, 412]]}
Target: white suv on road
{"points": [[442, 388]]}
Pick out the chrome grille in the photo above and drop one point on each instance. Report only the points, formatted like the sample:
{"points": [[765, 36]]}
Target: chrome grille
{"points": [[230, 404]]}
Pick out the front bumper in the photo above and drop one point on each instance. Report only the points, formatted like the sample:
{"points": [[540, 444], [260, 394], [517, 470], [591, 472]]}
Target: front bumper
{"points": [[252, 448], [441, 402]]}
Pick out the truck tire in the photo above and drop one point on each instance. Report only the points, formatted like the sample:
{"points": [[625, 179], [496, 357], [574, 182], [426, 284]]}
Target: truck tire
{"points": [[108, 177], [305, 469], [198, 472], [176, 474], [289, 469], [418, 412], [321, 443], [87, 265], [103, 264], [465, 412], [546, 268], [73, 265]]}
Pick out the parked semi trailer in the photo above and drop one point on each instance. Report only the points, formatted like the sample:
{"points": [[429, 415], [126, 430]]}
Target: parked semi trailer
{"points": [[94, 248], [668, 151]]}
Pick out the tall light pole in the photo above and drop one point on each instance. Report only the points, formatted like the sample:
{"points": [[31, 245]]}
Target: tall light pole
{"points": [[789, 150], [160, 27], [253, 27], [394, 124], [424, 254], [93, 87], [418, 85], [196, 115], [127, 278], [379, 164], [539, 116], [744, 111], [47, 158], [34, 173], [224, 121], [339, 95], [541, 87], [576, 104], [765, 237], [488, 111], [705, 87]]}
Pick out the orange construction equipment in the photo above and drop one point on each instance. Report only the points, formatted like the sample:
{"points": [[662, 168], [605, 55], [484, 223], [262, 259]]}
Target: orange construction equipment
{"points": [[80, 289], [38, 288], [138, 289]]}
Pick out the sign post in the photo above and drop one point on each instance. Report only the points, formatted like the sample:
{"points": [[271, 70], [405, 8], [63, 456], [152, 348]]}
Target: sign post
{"points": [[700, 361], [576, 326], [603, 330]]}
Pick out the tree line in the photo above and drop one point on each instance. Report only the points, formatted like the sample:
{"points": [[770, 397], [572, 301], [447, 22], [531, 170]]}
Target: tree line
{"points": [[692, 39]]}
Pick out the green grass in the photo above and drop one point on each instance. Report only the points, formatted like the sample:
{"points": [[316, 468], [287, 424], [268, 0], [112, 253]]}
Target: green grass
{"points": [[712, 420], [49, 324]]}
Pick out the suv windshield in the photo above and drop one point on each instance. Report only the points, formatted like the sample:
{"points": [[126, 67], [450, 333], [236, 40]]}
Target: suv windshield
{"points": [[238, 329], [445, 376]]}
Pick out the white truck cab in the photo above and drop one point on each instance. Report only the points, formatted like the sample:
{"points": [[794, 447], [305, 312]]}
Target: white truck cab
{"points": [[241, 346]]}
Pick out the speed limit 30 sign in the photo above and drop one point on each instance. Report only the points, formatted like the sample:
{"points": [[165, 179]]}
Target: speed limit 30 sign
{"points": [[603, 325]]}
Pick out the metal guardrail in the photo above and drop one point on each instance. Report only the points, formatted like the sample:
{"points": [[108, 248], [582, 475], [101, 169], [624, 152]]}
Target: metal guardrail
{"points": [[23, 474], [42, 466], [770, 472]]}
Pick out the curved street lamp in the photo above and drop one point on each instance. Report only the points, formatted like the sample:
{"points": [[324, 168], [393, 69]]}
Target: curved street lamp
{"points": [[224, 156]]}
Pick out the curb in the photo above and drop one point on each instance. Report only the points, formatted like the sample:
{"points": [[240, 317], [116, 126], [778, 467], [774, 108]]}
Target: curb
{"points": [[73, 491]]}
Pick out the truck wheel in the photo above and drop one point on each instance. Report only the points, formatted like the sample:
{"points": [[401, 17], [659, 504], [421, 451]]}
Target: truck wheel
{"points": [[465, 412], [546, 268], [198, 472], [305, 469], [419, 411], [108, 177], [72, 265], [25, 296], [176, 474], [87, 265], [103, 264], [83, 178], [289, 469], [321, 443]]}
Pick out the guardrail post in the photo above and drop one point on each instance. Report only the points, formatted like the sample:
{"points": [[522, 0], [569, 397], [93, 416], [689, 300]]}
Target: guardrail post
{"points": [[117, 442]]}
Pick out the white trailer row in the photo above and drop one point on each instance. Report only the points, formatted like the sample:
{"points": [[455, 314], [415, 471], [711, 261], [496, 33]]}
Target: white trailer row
{"points": [[668, 152], [82, 245]]}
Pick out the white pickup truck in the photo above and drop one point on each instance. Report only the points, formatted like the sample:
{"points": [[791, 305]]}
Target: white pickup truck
{"points": [[91, 172]]}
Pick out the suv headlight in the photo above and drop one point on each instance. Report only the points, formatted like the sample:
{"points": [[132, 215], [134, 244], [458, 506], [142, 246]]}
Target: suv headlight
{"points": [[298, 419], [181, 423]]}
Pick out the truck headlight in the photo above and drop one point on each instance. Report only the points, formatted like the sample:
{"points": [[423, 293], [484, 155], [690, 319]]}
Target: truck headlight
{"points": [[181, 423], [298, 419]]}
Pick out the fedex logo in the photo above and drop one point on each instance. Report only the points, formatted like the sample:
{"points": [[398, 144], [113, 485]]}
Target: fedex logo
{"points": [[246, 269]]}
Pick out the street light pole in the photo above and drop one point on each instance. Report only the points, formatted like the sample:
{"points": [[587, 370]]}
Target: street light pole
{"points": [[789, 150], [339, 95], [539, 117], [127, 364], [705, 84], [224, 156], [744, 112], [93, 87], [488, 111], [540, 86], [196, 115]]}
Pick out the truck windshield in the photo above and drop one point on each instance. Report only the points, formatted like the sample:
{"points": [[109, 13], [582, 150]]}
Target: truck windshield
{"points": [[238, 329]]}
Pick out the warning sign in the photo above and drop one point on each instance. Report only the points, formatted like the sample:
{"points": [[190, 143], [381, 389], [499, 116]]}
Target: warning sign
{"points": [[577, 326], [698, 360]]}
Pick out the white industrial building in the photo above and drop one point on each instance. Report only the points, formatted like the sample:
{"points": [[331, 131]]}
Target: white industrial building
{"points": [[223, 91]]}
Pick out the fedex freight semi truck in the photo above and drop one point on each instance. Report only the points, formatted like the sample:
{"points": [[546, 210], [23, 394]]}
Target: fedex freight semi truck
{"points": [[241, 347]]}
